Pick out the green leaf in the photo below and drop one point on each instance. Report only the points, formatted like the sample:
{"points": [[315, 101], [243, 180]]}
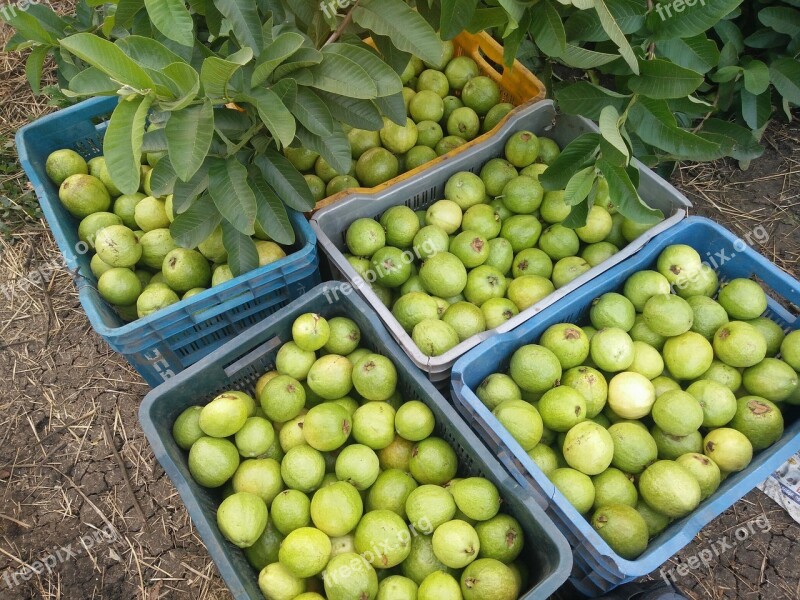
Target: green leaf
{"points": [[28, 26], [189, 132], [185, 192], [271, 215], [547, 28], [616, 35], [242, 251], [663, 79], [756, 76], [625, 197], [245, 22], [781, 18], [394, 57], [163, 178], [487, 18], [126, 11], [33, 67], [90, 82], [515, 10], [579, 186], [665, 24], [287, 181], [756, 110], [216, 72], [155, 140], [304, 57], [393, 107], [586, 99], [333, 147], [578, 154], [172, 18], [122, 144], [184, 81], [697, 53], [408, 30], [581, 58], [227, 184], [766, 38], [313, 114], [726, 74], [196, 223], [729, 33], [578, 215], [456, 14], [339, 75], [275, 115], [785, 75], [148, 52], [609, 129], [362, 114], [273, 55], [105, 56], [387, 82], [736, 141], [653, 121]]}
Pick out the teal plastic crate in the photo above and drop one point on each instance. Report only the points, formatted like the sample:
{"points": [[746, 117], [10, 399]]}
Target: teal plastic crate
{"points": [[166, 342], [598, 568], [240, 362]]}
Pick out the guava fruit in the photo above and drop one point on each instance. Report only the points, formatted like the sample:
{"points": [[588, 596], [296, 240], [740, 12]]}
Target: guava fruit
{"points": [[669, 488], [421, 560], [397, 587], [534, 368], [704, 470], [242, 518], [153, 298], [612, 350], [592, 386], [501, 538], [634, 447], [434, 337], [373, 425], [439, 586], [64, 163], [772, 379], [433, 461], [221, 274], [291, 360], [677, 413], [670, 447], [456, 543], [430, 505], [488, 579], [365, 237], [522, 421], [305, 552], [589, 448], [656, 522], [568, 342], [349, 576], [678, 263], [772, 333], [358, 465], [717, 401], [117, 246], [414, 421], [612, 310], [738, 344], [344, 336], [728, 447], [465, 318], [612, 486], [330, 377], [759, 420], [186, 429], [259, 476], [290, 510], [151, 213], [282, 398], [264, 550], [561, 408], [255, 437], [742, 299], [688, 355], [640, 332], [668, 315], [156, 244], [598, 253], [790, 349], [708, 316], [327, 426], [374, 377], [212, 461], [631, 395], [496, 388], [186, 269], [577, 488], [383, 539], [303, 468], [396, 455], [119, 286], [83, 195], [559, 242], [476, 497], [90, 225], [622, 528], [98, 168], [646, 360]]}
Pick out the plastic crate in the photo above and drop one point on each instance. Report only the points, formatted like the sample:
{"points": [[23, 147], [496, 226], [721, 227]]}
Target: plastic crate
{"points": [[238, 364], [168, 341], [331, 223], [597, 567], [517, 85]]}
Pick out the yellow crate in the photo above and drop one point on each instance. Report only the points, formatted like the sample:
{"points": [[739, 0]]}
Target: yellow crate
{"points": [[518, 86]]}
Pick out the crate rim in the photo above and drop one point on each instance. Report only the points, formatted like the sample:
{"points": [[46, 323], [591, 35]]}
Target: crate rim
{"points": [[509, 485], [551, 499]]}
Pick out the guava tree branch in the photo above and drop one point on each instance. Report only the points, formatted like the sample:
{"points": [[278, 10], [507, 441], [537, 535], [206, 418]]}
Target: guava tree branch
{"points": [[348, 18]]}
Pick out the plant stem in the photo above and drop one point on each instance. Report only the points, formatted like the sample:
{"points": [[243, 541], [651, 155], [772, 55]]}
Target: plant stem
{"points": [[343, 25]]}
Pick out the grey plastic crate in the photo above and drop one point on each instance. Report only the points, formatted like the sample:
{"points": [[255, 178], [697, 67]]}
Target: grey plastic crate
{"points": [[331, 223]]}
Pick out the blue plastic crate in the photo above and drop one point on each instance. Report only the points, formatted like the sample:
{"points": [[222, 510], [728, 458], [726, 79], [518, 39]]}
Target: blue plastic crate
{"points": [[240, 362], [597, 568], [164, 343]]}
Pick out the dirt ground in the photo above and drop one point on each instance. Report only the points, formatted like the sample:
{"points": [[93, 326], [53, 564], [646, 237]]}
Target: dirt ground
{"points": [[74, 461]]}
